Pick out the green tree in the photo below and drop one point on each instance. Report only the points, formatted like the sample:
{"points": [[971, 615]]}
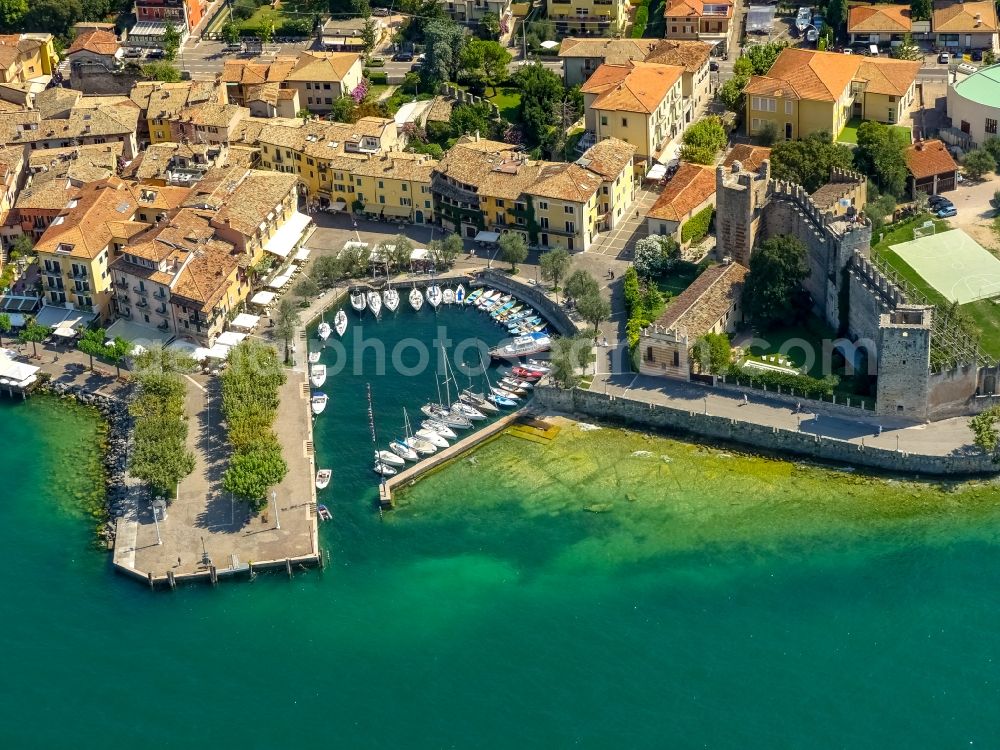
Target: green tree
{"points": [[773, 293], [487, 59], [369, 35], [762, 56], [444, 41], [11, 12], [92, 343], [251, 473], [344, 109], [231, 33], [978, 162], [399, 252], [541, 93], [23, 245], [655, 255], [881, 154], [118, 350], [554, 265], [703, 140], [836, 14], [768, 133], [991, 144], [5, 325], [908, 50], [286, 322], [161, 71], [470, 118], [306, 289], [328, 270], [920, 10], [809, 162], [451, 248], [984, 432], [265, 32], [594, 309], [304, 113], [878, 206], [713, 353], [171, 41], [513, 249], [34, 333], [569, 354], [731, 94], [489, 27], [580, 283]]}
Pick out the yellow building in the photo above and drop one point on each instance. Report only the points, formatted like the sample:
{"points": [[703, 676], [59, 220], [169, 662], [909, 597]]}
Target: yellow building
{"points": [[159, 102], [613, 160], [641, 103], [24, 57], [806, 92], [700, 20], [323, 77], [593, 17], [396, 185]]}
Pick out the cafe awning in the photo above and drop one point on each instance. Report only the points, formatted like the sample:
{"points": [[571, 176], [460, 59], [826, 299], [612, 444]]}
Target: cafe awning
{"points": [[288, 235], [262, 298], [487, 236], [230, 338], [302, 253], [245, 321]]}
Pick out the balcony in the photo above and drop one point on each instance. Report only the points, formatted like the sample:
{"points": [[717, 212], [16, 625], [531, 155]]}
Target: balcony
{"points": [[164, 326], [122, 284], [138, 290], [52, 271], [160, 294], [142, 304]]}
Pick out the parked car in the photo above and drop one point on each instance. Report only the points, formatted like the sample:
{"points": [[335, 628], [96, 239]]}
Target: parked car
{"points": [[966, 68], [944, 58], [133, 52], [938, 201], [156, 54], [380, 11], [977, 55], [946, 213], [713, 66], [403, 57]]}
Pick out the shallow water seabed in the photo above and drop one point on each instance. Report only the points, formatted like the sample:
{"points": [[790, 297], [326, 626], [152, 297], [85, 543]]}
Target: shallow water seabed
{"points": [[631, 496]]}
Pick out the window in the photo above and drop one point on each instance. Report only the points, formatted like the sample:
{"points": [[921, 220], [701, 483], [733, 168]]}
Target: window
{"points": [[892, 100], [649, 354], [427, 204], [624, 122], [788, 108], [544, 222], [405, 188], [543, 205], [892, 115], [604, 119], [570, 227], [567, 209], [677, 359], [991, 125], [326, 86], [764, 104], [500, 203]]}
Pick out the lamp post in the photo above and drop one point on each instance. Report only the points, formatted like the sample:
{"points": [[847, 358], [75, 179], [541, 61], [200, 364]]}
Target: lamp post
{"points": [[274, 499], [156, 523]]}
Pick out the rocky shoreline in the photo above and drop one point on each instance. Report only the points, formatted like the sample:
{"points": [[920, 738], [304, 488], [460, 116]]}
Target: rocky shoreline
{"points": [[114, 412]]}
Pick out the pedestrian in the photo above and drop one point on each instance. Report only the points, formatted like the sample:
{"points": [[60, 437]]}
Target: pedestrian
{"points": [[605, 341], [798, 407], [880, 429], [746, 399], [178, 561], [612, 274]]}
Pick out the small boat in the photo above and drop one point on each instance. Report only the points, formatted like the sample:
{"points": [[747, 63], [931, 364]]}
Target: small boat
{"points": [[522, 346], [340, 322], [501, 400], [512, 385], [420, 445], [477, 400], [494, 302], [525, 384], [318, 402], [391, 299], [503, 308], [473, 296], [537, 365], [323, 478], [440, 428], [323, 331], [390, 458], [314, 357], [448, 296], [374, 303], [442, 414], [467, 411], [505, 317], [317, 375], [324, 513], [434, 438], [527, 373], [434, 295], [358, 300], [401, 449], [459, 295], [505, 393], [384, 469], [416, 299]]}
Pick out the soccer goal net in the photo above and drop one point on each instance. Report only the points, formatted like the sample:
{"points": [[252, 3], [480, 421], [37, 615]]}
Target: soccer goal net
{"points": [[924, 230]]}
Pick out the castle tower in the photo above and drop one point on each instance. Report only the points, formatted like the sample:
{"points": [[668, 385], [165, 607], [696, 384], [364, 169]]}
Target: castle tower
{"points": [[904, 361], [739, 198]]}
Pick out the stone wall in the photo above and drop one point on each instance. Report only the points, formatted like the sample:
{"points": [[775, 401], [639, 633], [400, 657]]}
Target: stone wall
{"points": [[552, 312], [952, 392], [95, 79], [758, 437]]}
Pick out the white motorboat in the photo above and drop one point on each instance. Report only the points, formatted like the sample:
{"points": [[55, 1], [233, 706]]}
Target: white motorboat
{"points": [[401, 449], [501, 400], [522, 346], [317, 375], [448, 296], [443, 414], [434, 295], [459, 295], [478, 401], [323, 478], [509, 385], [539, 365], [416, 299], [389, 458], [467, 411], [375, 303], [390, 297], [432, 437], [516, 383], [323, 331], [440, 428], [314, 357], [384, 469], [420, 445], [340, 322], [485, 297], [318, 402], [505, 393], [474, 295], [358, 300]]}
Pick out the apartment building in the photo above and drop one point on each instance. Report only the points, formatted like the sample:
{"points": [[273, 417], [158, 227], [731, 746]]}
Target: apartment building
{"points": [[320, 78], [699, 20], [588, 17], [27, 57], [961, 25], [879, 24], [153, 16], [209, 123], [159, 103], [241, 79], [640, 103], [13, 175], [581, 56], [613, 160], [693, 57], [396, 185], [807, 91], [179, 164]]}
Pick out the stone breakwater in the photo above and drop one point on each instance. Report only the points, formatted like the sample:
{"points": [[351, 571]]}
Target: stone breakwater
{"points": [[114, 412]]}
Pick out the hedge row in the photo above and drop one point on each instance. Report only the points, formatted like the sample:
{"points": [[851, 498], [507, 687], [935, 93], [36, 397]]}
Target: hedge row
{"points": [[160, 456], [377, 76], [772, 379], [695, 228], [641, 19]]}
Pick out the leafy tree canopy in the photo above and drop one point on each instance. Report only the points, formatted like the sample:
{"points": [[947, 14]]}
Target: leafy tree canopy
{"points": [[808, 162], [773, 292], [541, 92], [655, 255], [978, 162], [881, 154]]}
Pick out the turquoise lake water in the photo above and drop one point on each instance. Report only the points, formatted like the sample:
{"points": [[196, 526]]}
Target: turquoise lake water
{"points": [[720, 601]]}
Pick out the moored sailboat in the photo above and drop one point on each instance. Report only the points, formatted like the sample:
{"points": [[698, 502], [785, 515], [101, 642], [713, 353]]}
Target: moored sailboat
{"points": [[416, 299]]}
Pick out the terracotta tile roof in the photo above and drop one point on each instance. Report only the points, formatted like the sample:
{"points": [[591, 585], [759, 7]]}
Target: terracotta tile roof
{"points": [[689, 54], [823, 76], [693, 8], [319, 138], [326, 67], [56, 101], [634, 87], [696, 310], [243, 72], [50, 195], [398, 165], [607, 50], [212, 114], [879, 18], [440, 110], [254, 198], [749, 156], [239, 155], [160, 100], [954, 15], [608, 157], [10, 158], [165, 198], [97, 41], [691, 186], [263, 92], [82, 164], [84, 230], [566, 182], [928, 158]]}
